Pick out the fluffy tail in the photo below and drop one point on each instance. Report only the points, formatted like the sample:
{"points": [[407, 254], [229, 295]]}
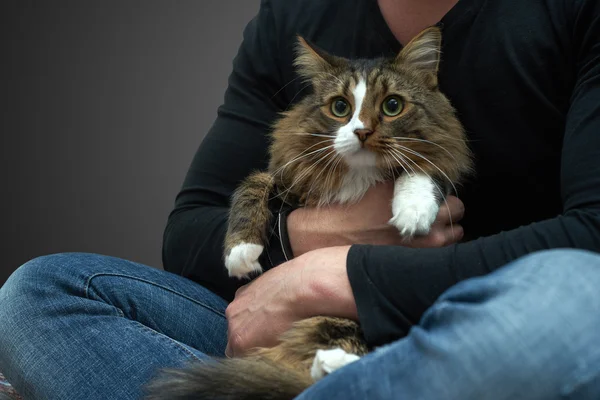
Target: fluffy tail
{"points": [[229, 379]]}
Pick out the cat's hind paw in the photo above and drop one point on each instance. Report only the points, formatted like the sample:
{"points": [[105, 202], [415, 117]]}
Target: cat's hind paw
{"points": [[242, 260], [327, 361]]}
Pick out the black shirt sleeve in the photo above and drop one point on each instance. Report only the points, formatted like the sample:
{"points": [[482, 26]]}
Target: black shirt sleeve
{"points": [[393, 286], [235, 145]]}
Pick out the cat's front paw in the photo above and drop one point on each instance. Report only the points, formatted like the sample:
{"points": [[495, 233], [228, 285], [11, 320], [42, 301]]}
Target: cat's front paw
{"points": [[413, 217], [242, 260]]}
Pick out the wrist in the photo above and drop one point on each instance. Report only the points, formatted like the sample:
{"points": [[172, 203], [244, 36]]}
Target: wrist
{"points": [[296, 232], [327, 289], [309, 229]]}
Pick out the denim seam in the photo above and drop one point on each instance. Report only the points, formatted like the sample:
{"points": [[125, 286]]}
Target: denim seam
{"points": [[169, 339], [89, 281], [139, 324]]}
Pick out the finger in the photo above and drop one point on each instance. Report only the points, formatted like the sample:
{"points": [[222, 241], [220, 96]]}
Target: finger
{"points": [[241, 290], [236, 346], [453, 234], [439, 236], [451, 211]]}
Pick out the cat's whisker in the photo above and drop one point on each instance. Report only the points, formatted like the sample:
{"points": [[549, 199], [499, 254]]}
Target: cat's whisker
{"points": [[281, 170], [400, 162], [328, 137], [300, 133], [336, 77], [286, 85], [316, 179], [403, 159], [331, 173], [403, 138], [406, 161], [398, 153], [322, 132], [297, 177], [326, 197], [416, 153], [390, 166], [302, 155], [306, 172], [325, 168], [297, 94], [300, 177], [286, 190]]}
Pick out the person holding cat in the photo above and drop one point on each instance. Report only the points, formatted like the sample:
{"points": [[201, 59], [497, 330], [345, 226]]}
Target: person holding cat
{"points": [[499, 300]]}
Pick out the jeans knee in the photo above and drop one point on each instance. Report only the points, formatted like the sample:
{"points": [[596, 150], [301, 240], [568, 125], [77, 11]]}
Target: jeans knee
{"points": [[22, 296], [556, 257], [551, 279], [38, 273], [31, 291], [36, 283], [560, 268]]}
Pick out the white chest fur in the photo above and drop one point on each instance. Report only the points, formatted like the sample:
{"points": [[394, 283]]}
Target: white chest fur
{"points": [[356, 183]]}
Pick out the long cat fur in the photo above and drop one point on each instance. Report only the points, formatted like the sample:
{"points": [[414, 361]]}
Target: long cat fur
{"points": [[434, 143]]}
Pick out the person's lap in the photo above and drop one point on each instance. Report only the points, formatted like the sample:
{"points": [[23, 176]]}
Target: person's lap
{"points": [[89, 326], [528, 331], [76, 326]]}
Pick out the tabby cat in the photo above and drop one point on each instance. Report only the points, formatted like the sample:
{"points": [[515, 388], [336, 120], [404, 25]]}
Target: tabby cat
{"points": [[365, 121]]}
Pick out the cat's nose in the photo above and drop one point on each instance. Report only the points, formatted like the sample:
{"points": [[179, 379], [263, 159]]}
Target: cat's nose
{"points": [[363, 134]]}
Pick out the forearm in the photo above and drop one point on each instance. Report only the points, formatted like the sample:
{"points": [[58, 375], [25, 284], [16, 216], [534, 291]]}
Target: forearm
{"points": [[193, 247], [236, 145], [394, 286], [340, 225], [322, 286], [367, 223], [312, 229]]}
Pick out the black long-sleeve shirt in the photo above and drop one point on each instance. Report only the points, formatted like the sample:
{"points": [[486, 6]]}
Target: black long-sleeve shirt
{"points": [[525, 79]]}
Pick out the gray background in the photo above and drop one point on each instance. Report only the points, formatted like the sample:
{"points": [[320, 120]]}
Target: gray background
{"points": [[103, 106]]}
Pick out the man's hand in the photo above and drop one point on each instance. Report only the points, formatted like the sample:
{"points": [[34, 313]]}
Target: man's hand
{"points": [[315, 283], [366, 222]]}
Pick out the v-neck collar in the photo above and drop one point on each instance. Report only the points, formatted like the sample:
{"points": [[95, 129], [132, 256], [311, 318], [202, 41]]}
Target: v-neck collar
{"points": [[462, 10]]}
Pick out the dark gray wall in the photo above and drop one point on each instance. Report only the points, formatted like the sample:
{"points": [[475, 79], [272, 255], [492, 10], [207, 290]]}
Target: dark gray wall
{"points": [[103, 105]]}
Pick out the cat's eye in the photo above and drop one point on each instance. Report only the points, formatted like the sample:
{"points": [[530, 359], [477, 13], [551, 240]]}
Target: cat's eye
{"points": [[340, 107], [392, 106]]}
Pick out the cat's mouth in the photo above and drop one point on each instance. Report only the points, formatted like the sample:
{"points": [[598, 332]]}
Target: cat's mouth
{"points": [[369, 146], [356, 152], [361, 158]]}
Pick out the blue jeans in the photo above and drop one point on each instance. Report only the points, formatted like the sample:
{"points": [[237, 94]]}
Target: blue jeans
{"points": [[83, 326], [76, 326]]}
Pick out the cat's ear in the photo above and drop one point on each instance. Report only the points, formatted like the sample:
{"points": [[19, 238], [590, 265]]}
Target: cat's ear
{"points": [[423, 51], [312, 61]]}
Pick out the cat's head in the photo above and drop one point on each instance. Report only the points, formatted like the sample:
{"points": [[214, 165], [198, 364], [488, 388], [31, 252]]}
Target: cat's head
{"points": [[385, 114]]}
